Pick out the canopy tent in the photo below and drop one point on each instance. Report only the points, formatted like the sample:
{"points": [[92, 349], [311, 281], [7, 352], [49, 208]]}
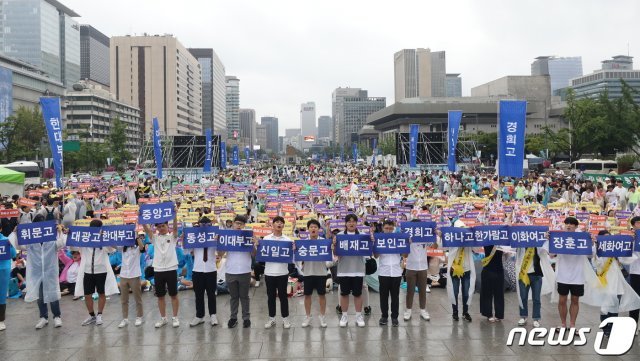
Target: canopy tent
{"points": [[11, 182]]}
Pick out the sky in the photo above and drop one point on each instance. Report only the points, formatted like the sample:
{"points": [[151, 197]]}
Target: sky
{"points": [[287, 52]]}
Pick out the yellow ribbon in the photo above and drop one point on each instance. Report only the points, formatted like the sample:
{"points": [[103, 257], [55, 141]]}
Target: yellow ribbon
{"points": [[526, 263], [486, 260], [602, 275], [458, 268]]}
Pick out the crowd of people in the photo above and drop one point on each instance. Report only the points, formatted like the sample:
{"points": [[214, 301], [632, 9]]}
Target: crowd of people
{"points": [[285, 203]]}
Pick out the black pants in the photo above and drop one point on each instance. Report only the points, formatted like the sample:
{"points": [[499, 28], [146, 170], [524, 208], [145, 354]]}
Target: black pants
{"points": [[389, 286], [492, 294], [634, 280], [205, 282], [277, 285]]}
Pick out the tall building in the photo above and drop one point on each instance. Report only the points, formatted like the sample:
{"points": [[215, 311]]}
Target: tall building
{"points": [[351, 106], [559, 69], [308, 128], [271, 125], [325, 127], [44, 34], [247, 128], [293, 137], [214, 90], [454, 85], [25, 83], [419, 73], [158, 75], [609, 78], [94, 56], [261, 136], [232, 99]]}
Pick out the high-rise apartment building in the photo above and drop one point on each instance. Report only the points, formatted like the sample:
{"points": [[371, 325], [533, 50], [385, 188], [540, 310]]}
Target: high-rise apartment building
{"points": [[247, 128], [419, 73], [454, 85], [214, 90], [271, 125], [94, 56], [308, 128], [351, 106], [559, 69], [42, 33], [325, 127], [232, 106], [158, 75]]}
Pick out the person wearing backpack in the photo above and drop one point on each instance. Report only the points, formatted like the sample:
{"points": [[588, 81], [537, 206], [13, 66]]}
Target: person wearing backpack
{"points": [[50, 212]]}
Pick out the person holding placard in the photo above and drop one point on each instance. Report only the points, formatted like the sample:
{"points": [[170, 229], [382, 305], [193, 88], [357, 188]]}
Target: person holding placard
{"points": [[492, 280], [276, 277], [461, 276], [7, 254], [351, 272], [205, 279], [634, 269], [315, 278], [390, 277], [416, 274], [130, 274]]}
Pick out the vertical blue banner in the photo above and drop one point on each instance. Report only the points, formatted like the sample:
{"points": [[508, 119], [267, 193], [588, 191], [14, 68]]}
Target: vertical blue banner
{"points": [[413, 144], [207, 157], [455, 116], [354, 148], [51, 116], [235, 156], [223, 155], [255, 154], [246, 154], [513, 121], [375, 151], [157, 151]]}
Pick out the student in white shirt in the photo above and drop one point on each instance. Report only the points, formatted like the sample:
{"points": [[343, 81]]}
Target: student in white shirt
{"points": [[417, 267], [315, 278], [634, 271], [130, 274], [277, 278], [390, 277], [351, 272], [205, 279]]}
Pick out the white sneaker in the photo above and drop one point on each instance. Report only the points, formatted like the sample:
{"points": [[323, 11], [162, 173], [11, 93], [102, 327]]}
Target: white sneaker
{"points": [[536, 323], [43, 322], [163, 321], [175, 322], [124, 323], [257, 284], [344, 320], [138, 321], [407, 315], [57, 322], [323, 322], [522, 322], [306, 322], [2, 326], [214, 320], [285, 323], [98, 319], [270, 323], [360, 321], [89, 320], [425, 315], [428, 289], [196, 321]]}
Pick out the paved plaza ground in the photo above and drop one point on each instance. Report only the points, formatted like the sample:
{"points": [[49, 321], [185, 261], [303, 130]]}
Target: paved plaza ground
{"points": [[439, 339]]}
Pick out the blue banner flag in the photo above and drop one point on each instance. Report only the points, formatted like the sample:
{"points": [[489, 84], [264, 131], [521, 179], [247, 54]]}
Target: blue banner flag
{"points": [[527, 236], [200, 237], [575, 243], [313, 250], [637, 241], [5, 250], [492, 235], [615, 246], [413, 144], [208, 151], [119, 235], [353, 245], [457, 237], [223, 155], [391, 243], [156, 213], [235, 241], [39, 232], [513, 121], [375, 151], [255, 154], [157, 150], [275, 251], [455, 117], [354, 148], [235, 156], [420, 232], [53, 123], [81, 236], [246, 155]]}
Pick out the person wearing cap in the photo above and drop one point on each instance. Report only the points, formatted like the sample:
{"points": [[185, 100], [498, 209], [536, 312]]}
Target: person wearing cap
{"points": [[276, 278], [130, 274], [461, 275], [205, 279]]}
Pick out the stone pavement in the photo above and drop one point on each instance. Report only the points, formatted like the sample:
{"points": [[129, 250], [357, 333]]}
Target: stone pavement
{"points": [[439, 339]]}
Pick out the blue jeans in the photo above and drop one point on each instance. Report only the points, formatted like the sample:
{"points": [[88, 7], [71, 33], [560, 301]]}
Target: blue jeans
{"points": [[535, 285], [466, 282], [55, 306]]}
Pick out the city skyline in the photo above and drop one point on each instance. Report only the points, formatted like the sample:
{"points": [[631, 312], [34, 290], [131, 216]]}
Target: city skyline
{"points": [[473, 48]]}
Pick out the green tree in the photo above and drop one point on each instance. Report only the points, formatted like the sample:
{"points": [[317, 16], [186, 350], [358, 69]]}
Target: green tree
{"points": [[117, 143], [387, 145], [487, 142], [21, 134]]}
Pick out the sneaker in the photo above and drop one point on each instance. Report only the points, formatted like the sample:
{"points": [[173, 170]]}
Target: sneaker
{"points": [[138, 321], [407, 315], [43, 322], [99, 319], [124, 323], [455, 317], [383, 321], [344, 320], [306, 322], [323, 322], [196, 321], [360, 321], [536, 323], [285, 323], [245, 324], [214, 320], [163, 321], [232, 323], [270, 323], [491, 319], [2, 326], [394, 322], [522, 322], [257, 284], [75, 298], [425, 315], [428, 289], [339, 310], [175, 322], [89, 320], [466, 317], [367, 310], [57, 322]]}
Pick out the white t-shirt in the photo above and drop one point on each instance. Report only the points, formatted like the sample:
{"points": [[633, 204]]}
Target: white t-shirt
{"points": [[417, 259], [389, 265], [570, 269], [95, 260], [130, 263], [238, 263], [199, 265], [276, 268], [164, 252]]}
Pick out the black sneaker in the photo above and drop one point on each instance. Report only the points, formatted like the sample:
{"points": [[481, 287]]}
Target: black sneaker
{"points": [[383, 321], [367, 311], [394, 322], [339, 310], [232, 323], [466, 317], [455, 317], [246, 323]]}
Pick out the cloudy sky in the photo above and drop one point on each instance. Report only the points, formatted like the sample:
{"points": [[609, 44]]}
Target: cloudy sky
{"points": [[287, 52]]}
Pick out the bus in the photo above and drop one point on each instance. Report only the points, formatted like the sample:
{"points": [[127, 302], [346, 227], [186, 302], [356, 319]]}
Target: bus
{"points": [[594, 166], [31, 171]]}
